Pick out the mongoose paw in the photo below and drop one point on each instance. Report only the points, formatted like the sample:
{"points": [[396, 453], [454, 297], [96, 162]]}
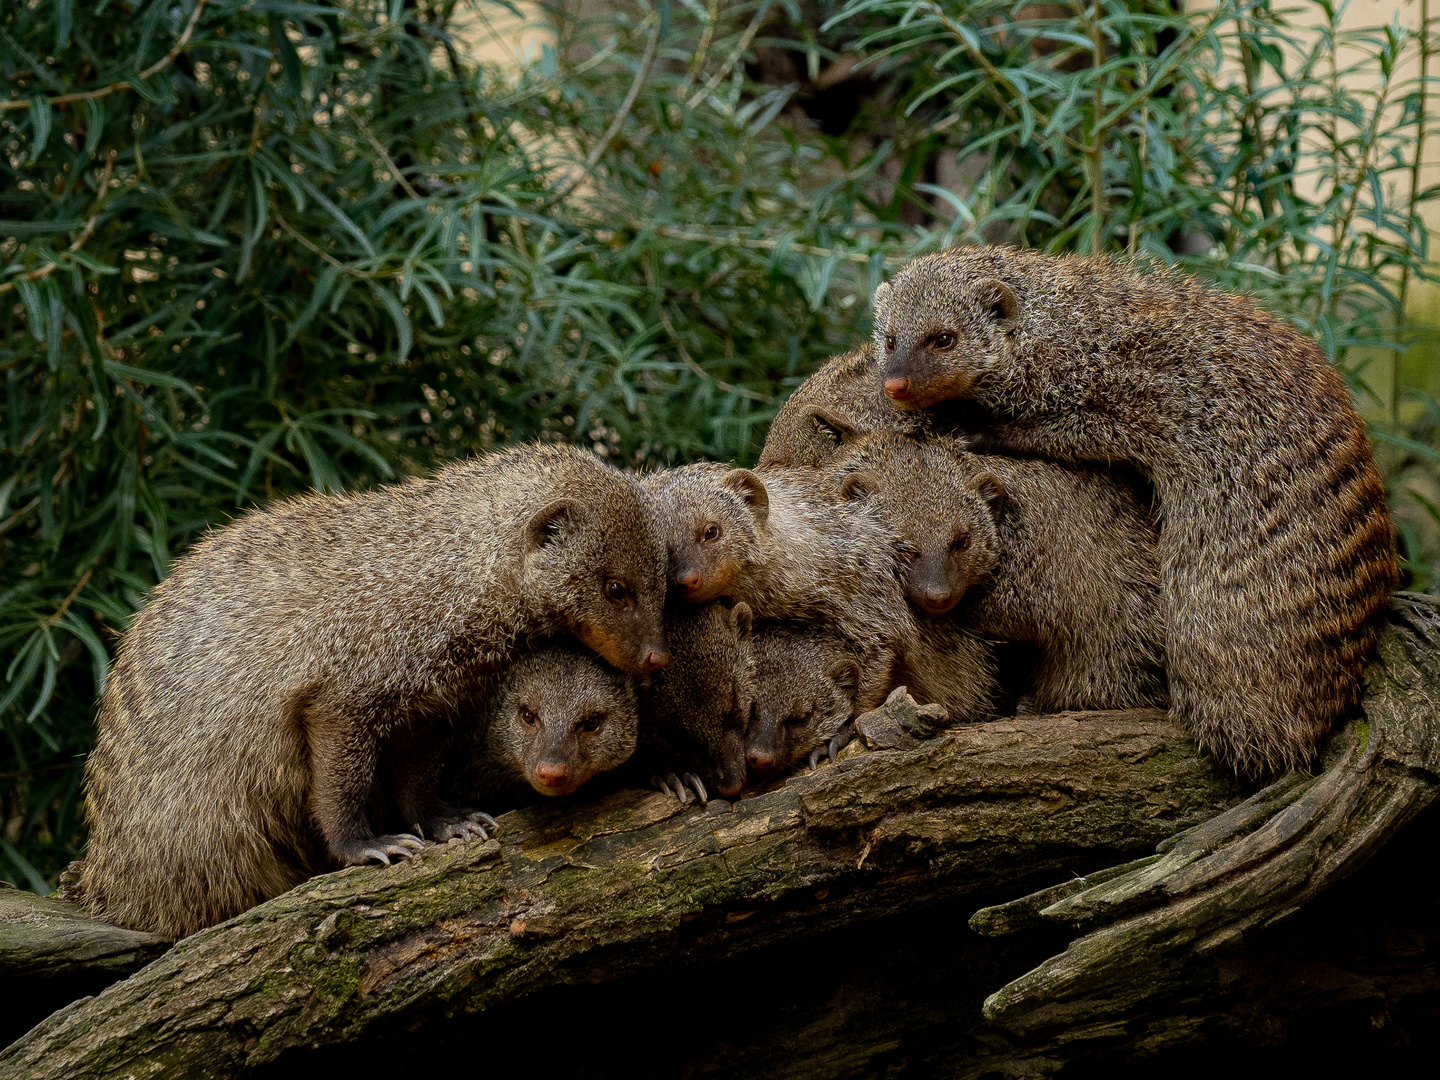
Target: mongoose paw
{"points": [[464, 825], [834, 746], [690, 787], [380, 848]]}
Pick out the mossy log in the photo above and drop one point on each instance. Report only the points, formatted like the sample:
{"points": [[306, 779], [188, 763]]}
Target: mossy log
{"points": [[632, 886]]}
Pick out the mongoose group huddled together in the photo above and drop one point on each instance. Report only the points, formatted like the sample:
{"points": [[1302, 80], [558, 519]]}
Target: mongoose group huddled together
{"points": [[1149, 491]]}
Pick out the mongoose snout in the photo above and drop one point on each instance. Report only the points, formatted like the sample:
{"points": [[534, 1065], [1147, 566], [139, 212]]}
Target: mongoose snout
{"points": [[937, 599], [627, 631]]}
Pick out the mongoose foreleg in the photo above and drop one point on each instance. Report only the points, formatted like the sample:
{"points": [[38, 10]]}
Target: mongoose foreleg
{"points": [[344, 752]]}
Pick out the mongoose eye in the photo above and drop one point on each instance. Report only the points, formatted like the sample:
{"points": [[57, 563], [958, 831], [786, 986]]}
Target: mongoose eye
{"points": [[960, 543], [943, 341], [712, 532], [592, 723], [617, 592], [528, 718], [889, 342]]}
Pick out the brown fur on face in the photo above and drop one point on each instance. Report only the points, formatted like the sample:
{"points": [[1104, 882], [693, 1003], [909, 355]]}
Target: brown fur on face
{"points": [[806, 682], [711, 518], [1059, 558], [947, 523], [558, 719], [1275, 545], [284, 702]]}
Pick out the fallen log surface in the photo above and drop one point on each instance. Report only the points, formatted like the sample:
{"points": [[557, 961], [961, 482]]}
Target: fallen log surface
{"points": [[576, 894], [883, 855]]}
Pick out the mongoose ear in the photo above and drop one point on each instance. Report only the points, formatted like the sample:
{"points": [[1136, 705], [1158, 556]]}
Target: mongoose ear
{"points": [[988, 486], [995, 295], [831, 426], [846, 675], [750, 488], [881, 297], [858, 485], [548, 521], [744, 619]]}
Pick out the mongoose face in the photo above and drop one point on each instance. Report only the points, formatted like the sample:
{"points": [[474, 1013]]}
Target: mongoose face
{"points": [[711, 518], [560, 716], [939, 331], [805, 688], [697, 709], [604, 567], [942, 508]]}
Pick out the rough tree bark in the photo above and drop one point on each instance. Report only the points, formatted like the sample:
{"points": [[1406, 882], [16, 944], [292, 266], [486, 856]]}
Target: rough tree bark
{"points": [[633, 884]]}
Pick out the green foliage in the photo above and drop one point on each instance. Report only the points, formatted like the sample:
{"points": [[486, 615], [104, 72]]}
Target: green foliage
{"points": [[248, 248]]}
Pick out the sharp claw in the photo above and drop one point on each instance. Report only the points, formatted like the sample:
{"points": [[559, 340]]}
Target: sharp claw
{"points": [[376, 854], [832, 748], [484, 819], [681, 791], [815, 758], [699, 786]]}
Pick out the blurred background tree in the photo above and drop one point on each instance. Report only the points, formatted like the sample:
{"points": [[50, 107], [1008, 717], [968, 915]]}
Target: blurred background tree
{"points": [[249, 247]]}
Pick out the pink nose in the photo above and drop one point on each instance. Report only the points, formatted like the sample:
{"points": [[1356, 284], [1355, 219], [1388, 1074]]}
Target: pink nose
{"points": [[654, 661], [938, 601], [691, 580], [897, 388], [551, 774], [761, 762]]}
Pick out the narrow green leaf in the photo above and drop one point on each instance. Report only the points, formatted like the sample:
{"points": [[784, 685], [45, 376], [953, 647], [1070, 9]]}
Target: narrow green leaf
{"points": [[39, 126]]}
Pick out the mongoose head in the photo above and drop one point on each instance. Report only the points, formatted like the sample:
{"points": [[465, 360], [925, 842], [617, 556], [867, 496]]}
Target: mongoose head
{"points": [[942, 506], [805, 687], [593, 558], [939, 329], [712, 518], [696, 711], [560, 716], [837, 404]]}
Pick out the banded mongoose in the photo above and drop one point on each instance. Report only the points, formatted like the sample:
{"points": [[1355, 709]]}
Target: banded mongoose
{"points": [[781, 542], [1060, 558], [806, 681], [283, 704], [694, 713], [844, 399], [559, 716], [1276, 551]]}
